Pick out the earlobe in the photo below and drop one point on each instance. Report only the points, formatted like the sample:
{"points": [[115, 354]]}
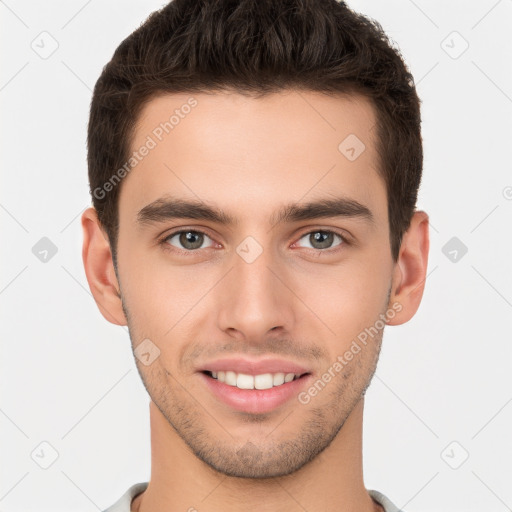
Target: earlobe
{"points": [[99, 269], [411, 269]]}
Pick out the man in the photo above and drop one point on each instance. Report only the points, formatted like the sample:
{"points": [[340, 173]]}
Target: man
{"points": [[254, 169]]}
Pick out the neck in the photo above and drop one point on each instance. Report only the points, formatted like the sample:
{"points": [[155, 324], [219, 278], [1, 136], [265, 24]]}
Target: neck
{"points": [[333, 481]]}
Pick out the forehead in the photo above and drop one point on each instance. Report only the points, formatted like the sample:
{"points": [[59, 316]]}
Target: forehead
{"points": [[254, 153]]}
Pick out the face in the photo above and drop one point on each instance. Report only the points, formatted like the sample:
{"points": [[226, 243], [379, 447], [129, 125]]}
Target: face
{"points": [[254, 248]]}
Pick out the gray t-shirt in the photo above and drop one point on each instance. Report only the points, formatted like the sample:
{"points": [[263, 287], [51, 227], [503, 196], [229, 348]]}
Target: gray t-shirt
{"points": [[124, 503]]}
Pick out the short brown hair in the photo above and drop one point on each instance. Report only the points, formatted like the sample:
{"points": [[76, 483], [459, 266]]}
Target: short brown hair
{"points": [[256, 47]]}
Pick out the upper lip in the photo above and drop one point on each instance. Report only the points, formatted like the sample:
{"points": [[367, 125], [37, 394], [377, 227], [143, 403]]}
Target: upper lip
{"points": [[252, 367]]}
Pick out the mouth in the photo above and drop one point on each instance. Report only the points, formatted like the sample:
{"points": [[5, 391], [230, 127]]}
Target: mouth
{"points": [[253, 390], [261, 381]]}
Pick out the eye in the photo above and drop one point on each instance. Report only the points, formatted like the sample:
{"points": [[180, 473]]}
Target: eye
{"points": [[187, 239], [322, 239]]}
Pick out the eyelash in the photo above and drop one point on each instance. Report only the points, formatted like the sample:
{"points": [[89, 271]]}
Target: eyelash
{"points": [[166, 246]]}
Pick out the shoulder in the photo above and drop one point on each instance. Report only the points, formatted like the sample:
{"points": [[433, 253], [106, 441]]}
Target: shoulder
{"points": [[123, 504], [383, 500]]}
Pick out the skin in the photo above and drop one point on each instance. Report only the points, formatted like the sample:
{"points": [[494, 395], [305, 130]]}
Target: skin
{"points": [[296, 300]]}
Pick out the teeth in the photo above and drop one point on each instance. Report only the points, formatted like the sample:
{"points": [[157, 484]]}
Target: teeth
{"points": [[263, 381], [231, 378], [244, 381], [278, 379]]}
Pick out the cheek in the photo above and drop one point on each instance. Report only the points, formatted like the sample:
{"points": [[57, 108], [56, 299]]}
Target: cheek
{"points": [[162, 299], [347, 299], [143, 292]]}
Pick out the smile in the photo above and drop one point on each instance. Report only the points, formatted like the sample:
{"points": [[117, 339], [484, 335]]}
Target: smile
{"points": [[255, 394], [262, 381]]}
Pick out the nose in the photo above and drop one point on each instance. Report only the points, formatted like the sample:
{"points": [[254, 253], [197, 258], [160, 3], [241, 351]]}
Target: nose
{"points": [[253, 299]]}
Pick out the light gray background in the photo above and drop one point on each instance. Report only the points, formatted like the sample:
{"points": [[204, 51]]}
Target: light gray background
{"points": [[443, 388]]}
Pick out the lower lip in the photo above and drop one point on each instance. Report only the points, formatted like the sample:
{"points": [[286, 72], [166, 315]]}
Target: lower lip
{"points": [[255, 401]]}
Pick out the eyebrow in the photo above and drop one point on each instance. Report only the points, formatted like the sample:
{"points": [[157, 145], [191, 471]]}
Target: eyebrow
{"points": [[167, 208]]}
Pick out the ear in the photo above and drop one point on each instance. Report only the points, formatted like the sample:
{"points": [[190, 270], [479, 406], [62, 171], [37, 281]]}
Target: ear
{"points": [[410, 270], [99, 269]]}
